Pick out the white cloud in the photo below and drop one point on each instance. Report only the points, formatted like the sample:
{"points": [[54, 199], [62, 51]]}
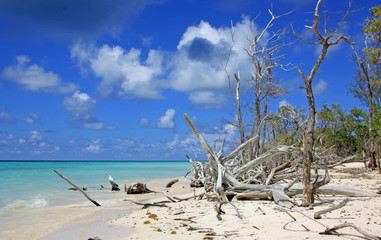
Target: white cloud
{"points": [[31, 118], [94, 147], [198, 65], [320, 87], [94, 125], [123, 73], [82, 109], [207, 99], [28, 120], [144, 122], [81, 106], [35, 137], [283, 103], [196, 68], [35, 78], [167, 121], [6, 118]]}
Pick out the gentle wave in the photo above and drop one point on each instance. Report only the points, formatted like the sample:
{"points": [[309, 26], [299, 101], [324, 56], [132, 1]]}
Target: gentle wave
{"points": [[35, 202]]}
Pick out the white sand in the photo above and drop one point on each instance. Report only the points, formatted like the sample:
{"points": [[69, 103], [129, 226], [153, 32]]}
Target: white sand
{"points": [[196, 219]]}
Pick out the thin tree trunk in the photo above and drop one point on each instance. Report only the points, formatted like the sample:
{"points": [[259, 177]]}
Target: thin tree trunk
{"points": [[308, 141], [238, 106]]}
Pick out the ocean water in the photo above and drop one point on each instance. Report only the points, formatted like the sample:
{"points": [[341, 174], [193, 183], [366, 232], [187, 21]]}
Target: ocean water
{"points": [[34, 184]]}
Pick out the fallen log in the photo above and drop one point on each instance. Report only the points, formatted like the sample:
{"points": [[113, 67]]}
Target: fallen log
{"points": [[335, 190], [138, 188], [87, 196], [169, 185]]}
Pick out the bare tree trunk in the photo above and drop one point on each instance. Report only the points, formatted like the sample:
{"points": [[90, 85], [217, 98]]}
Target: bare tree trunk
{"points": [[238, 106], [373, 162], [236, 95], [330, 38]]}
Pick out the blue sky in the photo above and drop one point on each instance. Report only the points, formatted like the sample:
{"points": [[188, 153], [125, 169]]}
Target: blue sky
{"points": [[111, 80]]}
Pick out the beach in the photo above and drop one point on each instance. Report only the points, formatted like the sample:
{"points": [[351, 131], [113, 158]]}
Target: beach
{"points": [[196, 219]]}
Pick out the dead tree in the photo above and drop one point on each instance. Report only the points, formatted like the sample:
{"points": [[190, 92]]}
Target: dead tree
{"points": [[265, 56], [236, 94], [328, 39]]}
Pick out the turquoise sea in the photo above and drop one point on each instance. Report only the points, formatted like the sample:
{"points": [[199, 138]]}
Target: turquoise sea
{"points": [[33, 184]]}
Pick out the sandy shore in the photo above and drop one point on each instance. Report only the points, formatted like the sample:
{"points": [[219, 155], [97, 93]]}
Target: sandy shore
{"points": [[196, 219]]}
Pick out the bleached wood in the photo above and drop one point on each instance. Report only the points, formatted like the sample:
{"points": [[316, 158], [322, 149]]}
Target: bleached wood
{"points": [[318, 214], [79, 189]]}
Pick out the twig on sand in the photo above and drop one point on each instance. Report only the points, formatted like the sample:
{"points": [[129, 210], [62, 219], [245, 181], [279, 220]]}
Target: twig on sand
{"points": [[332, 231], [146, 205]]}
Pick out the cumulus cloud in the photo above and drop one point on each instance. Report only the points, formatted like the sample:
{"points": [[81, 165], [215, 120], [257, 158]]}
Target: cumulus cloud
{"points": [[6, 118], [35, 137], [144, 122], [123, 73], [207, 99], [82, 109], [31, 143], [94, 147], [34, 78], [167, 121], [320, 87], [283, 103], [31, 118], [195, 68]]}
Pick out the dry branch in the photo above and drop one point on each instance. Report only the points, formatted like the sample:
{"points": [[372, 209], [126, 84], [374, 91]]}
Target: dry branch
{"points": [[146, 205], [75, 186], [318, 214], [332, 231]]}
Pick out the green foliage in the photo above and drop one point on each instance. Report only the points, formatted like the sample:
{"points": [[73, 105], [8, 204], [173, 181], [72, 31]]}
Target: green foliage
{"points": [[336, 131], [346, 133], [286, 127], [372, 29]]}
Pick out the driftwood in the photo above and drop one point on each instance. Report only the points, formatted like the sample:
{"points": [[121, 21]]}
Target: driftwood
{"points": [[318, 214], [146, 205], [138, 188], [74, 189], [87, 196], [235, 176], [336, 190], [114, 185], [169, 185], [196, 183], [332, 231]]}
